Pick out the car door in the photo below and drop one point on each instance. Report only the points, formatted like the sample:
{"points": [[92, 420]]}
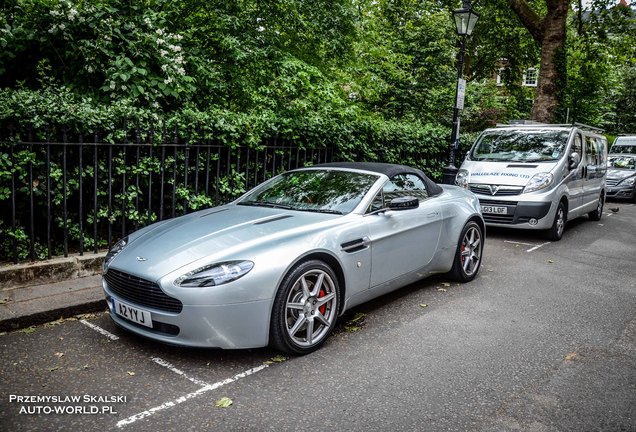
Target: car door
{"points": [[576, 177], [593, 175], [402, 241]]}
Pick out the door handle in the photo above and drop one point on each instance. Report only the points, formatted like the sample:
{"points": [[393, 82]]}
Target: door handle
{"points": [[432, 215]]}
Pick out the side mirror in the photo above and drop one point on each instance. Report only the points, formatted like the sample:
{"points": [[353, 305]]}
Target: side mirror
{"points": [[404, 203], [574, 160]]}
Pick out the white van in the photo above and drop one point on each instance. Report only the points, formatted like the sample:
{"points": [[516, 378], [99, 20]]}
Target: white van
{"points": [[537, 176], [624, 144]]}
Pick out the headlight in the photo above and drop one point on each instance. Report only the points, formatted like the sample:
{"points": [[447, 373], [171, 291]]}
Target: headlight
{"points": [[215, 274], [462, 178], [117, 247], [538, 181], [628, 182]]}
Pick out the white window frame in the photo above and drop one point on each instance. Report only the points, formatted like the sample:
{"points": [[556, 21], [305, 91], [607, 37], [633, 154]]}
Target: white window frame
{"points": [[531, 77]]}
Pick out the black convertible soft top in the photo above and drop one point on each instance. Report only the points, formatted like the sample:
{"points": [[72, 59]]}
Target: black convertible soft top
{"points": [[387, 169]]}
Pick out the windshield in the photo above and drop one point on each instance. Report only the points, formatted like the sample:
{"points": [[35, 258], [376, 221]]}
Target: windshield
{"points": [[520, 145], [623, 162], [624, 145], [324, 191]]}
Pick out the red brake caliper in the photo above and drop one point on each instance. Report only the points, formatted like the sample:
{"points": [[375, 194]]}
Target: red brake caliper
{"points": [[462, 255], [322, 308]]}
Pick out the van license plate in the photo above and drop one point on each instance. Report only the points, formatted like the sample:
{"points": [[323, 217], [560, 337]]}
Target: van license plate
{"points": [[132, 313], [494, 210]]}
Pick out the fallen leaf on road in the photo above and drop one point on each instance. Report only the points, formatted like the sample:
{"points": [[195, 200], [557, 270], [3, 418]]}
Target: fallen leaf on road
{"points": [[550, 262], [130, 373], [224, 402], [442, 289], [571, 356], [423, 305], [59, 354], [28, 330], [53, 369]]}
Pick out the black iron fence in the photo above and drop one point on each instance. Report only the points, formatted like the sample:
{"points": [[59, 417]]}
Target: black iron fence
{"points": [[76, 196], [63, 191]]}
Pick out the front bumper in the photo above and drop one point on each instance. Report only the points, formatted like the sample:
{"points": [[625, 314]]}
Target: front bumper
{"points": [[519, 214], [231, 326], [627, 192]]}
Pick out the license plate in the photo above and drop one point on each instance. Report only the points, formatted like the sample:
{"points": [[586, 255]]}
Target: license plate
{"points": [[132, 313], [494, 210]]}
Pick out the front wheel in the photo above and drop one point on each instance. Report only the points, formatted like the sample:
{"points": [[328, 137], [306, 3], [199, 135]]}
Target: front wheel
{"points": [[305, 308], [558, 226], [468, 253]]}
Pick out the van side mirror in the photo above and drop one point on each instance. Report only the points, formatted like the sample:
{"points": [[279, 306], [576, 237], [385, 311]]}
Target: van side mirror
{"points": [[574, 160]]}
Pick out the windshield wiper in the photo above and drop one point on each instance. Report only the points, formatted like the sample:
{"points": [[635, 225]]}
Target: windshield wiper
{"points": [[265, 204], [328, 211]]}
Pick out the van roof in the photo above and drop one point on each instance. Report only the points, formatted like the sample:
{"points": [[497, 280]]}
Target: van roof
{"points": [[536, 125]]}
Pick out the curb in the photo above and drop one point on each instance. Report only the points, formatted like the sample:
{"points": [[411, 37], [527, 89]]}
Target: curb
{"points": [[50, 271], [36, 293], [43, 317]]}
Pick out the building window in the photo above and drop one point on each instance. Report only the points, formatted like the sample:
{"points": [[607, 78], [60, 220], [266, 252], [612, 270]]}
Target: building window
{"points": [[530, 77]]}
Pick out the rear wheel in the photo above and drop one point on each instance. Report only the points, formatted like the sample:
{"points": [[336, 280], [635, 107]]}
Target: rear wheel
{"points": [[468, 254], [305, 308], [595, 215], [558, 226]]}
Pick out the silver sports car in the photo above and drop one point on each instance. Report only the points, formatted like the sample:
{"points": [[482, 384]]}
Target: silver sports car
{"points": [[280, 264]]}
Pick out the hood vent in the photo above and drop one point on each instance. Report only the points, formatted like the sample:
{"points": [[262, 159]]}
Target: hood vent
{"points": [[274, 219], [214, 212], [521, 166]]}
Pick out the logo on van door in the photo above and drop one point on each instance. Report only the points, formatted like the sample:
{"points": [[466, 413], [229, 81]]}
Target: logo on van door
{"points": [[493, 189]]}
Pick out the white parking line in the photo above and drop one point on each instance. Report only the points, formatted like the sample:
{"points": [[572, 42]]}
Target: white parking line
{"points": [[204, 389], [532, 249], [537, 247], [170, 367], [182, 399], [521, 243], [98, 329]]}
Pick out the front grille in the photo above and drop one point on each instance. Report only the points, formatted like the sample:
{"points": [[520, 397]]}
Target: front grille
{"points": [[500, 219], [482, 189], [612, 182], [140, 291]]}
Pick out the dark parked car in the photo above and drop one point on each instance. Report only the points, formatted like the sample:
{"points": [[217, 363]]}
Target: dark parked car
{"points": [[621, 176]]}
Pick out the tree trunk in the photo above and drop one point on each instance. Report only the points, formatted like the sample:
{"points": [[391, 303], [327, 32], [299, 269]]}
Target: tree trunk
{"points": [[550, 33]]}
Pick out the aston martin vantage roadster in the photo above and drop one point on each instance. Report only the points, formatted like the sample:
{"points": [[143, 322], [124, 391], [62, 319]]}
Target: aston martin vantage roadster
{"points": [[280, 264]]}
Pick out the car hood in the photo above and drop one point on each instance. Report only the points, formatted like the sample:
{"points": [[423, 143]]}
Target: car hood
{"points": [[505, 173], [164, 247], [619, 174]]}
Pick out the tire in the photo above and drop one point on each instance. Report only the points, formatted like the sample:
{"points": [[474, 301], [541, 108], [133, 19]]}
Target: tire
{"points": [[558, 226], [305, 308], [595, 215], [467, 260]]}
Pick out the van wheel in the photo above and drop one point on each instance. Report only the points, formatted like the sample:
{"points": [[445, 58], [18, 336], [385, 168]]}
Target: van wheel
{"points": [[595, 215], [558, 226]]}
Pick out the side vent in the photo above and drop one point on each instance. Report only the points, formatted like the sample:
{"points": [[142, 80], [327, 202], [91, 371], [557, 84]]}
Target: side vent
{"points": [[354, 245]]}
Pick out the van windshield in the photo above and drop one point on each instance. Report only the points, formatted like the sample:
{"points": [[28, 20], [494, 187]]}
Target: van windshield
{"points": [[520, 145]]}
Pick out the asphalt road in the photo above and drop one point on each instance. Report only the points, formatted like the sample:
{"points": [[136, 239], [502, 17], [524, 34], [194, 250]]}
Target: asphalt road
{"points": [[543, 340]]}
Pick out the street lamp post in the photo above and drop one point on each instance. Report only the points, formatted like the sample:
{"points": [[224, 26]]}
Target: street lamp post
{"points": [[465, 20]]}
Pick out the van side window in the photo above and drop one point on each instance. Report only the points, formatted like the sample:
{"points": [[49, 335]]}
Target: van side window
{"points": [[591, 152], [577, 146]]}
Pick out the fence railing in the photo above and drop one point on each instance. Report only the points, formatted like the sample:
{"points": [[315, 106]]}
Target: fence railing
{"points": [[65, 197], [63, 192]]}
